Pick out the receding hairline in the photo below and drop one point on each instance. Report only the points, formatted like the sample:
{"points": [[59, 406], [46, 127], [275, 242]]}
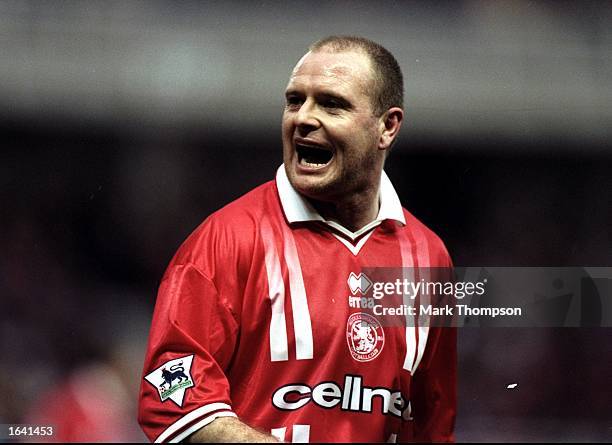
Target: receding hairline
{"points": [[325, 49], [385, 72], [330, 49], [374, 79], [342, 43]]}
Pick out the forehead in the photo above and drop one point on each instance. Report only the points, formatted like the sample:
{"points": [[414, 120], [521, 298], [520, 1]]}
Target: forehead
{"points": [[349, 70]]}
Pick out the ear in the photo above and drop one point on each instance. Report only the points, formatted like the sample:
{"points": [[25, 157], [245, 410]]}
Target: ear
{"points": [[390, 124]]}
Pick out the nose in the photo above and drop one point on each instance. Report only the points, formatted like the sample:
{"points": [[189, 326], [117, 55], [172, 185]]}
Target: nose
{"points": [[306, 119]]}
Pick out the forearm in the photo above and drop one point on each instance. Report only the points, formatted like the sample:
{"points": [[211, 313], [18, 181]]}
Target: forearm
{"points": [[230, 429]]}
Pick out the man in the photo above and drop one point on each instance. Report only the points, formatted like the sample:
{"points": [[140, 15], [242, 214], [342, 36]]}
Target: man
{"points": [[253, 338]]}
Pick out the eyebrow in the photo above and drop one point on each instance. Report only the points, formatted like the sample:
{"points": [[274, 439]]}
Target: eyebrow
{"points": [[342, 101], [322, 95]]}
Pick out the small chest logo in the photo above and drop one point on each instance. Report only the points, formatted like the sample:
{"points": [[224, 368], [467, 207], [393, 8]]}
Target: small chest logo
{"points": [[365, 337], [172, 379], [359, 283]]}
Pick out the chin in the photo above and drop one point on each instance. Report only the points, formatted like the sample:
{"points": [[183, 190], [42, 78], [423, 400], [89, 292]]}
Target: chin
{"points": [[313, 187]]}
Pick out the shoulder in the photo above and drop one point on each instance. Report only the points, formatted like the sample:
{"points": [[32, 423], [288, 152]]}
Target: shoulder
{"points": [[248, 209], [423, 236], [231, 231]]}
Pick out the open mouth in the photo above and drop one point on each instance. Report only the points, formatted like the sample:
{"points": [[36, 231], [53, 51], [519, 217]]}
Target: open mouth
{"points": [[313, 156]]}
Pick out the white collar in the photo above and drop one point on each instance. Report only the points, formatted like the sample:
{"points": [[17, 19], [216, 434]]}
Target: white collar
{"points": [[298, 209]]}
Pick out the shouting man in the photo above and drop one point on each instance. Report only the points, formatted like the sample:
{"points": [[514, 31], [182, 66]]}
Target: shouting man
{"points": [[254, 308]]}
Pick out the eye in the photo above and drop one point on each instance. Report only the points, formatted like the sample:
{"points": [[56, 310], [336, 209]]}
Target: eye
{"points": [[293, 101], [332, 103]]}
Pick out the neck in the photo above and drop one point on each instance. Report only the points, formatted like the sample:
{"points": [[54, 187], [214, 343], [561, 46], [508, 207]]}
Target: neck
{"points": [[352, 212]]}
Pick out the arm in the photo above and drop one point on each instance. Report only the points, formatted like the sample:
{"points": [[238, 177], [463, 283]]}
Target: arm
{"points": [[192, 340], [230, 429], [433, 386], [433, 395]]}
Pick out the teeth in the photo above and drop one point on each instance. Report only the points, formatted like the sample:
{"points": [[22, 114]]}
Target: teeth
{"points": [[313, 156], [305, 163]]}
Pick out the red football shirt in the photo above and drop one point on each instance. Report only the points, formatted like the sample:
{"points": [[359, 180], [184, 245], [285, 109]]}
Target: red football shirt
{"points": [[253, 320]]}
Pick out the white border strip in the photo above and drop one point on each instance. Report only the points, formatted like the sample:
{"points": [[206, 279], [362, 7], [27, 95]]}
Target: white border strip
{"points": [[279, 433], [279, 349], [408, 274], [299, 304], [354, 249], [201, 424], [301, 434], [424, 269], [188, 418], [423, 334]]}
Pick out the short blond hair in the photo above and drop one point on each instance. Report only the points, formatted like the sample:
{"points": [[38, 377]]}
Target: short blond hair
{"points": [[388, 78]]}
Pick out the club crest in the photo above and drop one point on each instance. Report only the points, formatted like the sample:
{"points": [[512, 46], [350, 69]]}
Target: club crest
{"points": [[172, 379], [365, 337]]}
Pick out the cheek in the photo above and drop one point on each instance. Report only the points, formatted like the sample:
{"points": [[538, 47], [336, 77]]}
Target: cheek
{"points": [[357, 136], [286, 123], [343, 132], [286, 137]]}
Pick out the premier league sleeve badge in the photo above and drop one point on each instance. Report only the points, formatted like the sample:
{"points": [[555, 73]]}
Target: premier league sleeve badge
{"points": [[172, 379]]}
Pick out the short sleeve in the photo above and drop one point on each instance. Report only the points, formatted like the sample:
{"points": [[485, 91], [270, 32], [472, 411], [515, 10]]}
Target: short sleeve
{"points": [[433, 393], [192, 340]]}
